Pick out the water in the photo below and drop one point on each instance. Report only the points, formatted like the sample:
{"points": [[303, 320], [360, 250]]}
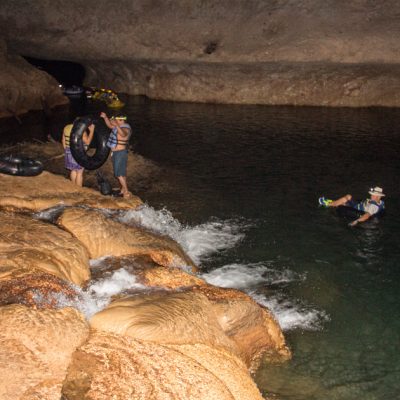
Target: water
{"points": [[241, 198]]}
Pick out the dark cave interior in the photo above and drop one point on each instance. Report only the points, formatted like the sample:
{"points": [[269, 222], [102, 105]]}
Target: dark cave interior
{"points": [[67, 73]]}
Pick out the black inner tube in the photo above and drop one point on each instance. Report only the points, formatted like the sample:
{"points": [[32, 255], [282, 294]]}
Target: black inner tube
{"points": [[99, 142], [20, 166]]}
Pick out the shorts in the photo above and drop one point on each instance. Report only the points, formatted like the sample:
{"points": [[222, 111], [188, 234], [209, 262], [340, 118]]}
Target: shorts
{"points": [[70, 162], [119, 161]]}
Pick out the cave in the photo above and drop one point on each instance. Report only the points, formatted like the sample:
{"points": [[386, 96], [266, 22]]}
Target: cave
{"points": [[66, 73]]}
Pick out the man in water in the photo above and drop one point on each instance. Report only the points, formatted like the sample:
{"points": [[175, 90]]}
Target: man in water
{"points": [[76, 170], [118, 142], [370, 207]]}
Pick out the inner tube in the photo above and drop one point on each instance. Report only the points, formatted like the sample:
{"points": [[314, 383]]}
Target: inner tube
{"points": [[20, 166], [99, 142]]}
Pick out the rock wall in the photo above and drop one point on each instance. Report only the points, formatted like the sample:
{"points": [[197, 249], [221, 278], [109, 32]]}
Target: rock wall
{"points": [[308, 52], [24, 88]]}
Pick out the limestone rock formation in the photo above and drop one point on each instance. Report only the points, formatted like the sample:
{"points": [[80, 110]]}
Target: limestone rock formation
{"points": [[103, 237], [170, 278], [26, 243], [168, 318], [35, 350], [48, 190], [24, 88], [211, 316], [307, 52], [129, 368], [253, 328]]}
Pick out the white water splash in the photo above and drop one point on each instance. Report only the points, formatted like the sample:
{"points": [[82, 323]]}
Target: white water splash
{"points": [[245, 277], [199, 242], [242, 276], [98, 295], [292, 316]]}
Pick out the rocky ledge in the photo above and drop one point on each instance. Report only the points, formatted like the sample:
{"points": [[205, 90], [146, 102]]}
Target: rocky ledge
{"points": [[171, 335]]}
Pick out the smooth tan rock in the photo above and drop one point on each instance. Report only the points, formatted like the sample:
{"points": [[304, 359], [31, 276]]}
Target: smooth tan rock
{"points": [[48, 190], [252, 327], [28, 243], [171, 278], [213, 316], [143, 173], [169, 318], [132, 369], [35, 350], [103, 237]]}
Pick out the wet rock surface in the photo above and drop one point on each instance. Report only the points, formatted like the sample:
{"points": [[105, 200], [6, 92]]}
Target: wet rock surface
{"points": [[36, 347], [130, 368], [168, 335], [103, 237]]}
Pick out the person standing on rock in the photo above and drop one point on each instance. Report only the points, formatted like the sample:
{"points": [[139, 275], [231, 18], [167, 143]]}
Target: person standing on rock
{"points": [[76, 170], [118, 142]]}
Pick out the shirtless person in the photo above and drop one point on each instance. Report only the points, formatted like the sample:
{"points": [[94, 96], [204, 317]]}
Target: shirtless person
{"points": [[118, 142]]}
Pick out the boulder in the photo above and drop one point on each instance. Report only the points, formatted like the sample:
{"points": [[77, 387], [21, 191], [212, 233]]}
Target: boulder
{"points": [[27, 244], [126, 368], [36, 347], [103, 236], [168, 318]]}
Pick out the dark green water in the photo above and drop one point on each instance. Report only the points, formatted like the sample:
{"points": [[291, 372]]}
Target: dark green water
{"points": [[259, 171], [268, 165]]}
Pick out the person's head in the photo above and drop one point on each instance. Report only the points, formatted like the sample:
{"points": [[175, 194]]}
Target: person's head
{"points": [[119, 119], [376, 193]]}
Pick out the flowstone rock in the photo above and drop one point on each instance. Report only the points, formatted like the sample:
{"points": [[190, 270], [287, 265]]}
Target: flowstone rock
{"points": [[48, 190], [26, 243], [36, 348], [125, 368], [104, 237]]}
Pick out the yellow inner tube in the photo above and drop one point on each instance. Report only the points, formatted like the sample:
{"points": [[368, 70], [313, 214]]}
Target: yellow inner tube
{"points": [[115, 103]]}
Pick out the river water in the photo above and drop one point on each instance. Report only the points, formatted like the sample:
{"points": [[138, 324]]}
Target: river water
{"points": [[245, 209]]}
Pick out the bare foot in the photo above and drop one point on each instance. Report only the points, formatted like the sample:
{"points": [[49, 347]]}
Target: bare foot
{"points": [[127, 195]]}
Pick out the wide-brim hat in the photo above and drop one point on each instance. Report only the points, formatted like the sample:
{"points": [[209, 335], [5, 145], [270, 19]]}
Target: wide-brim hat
{"points": [[376, 191]]}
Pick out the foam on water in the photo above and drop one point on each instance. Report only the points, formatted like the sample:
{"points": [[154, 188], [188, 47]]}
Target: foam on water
{"points": [[242, 276], [290, 314], [199, 242], [98, 294]]}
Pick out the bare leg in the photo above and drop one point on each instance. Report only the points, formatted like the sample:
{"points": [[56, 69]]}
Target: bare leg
{"points": [[124, 187], [72, 176], [79, 177], [340, 202]]}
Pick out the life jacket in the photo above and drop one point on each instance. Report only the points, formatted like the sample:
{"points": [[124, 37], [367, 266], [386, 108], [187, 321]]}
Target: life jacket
{"points": [[381, 206], [113, 140], [67, 134]]}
